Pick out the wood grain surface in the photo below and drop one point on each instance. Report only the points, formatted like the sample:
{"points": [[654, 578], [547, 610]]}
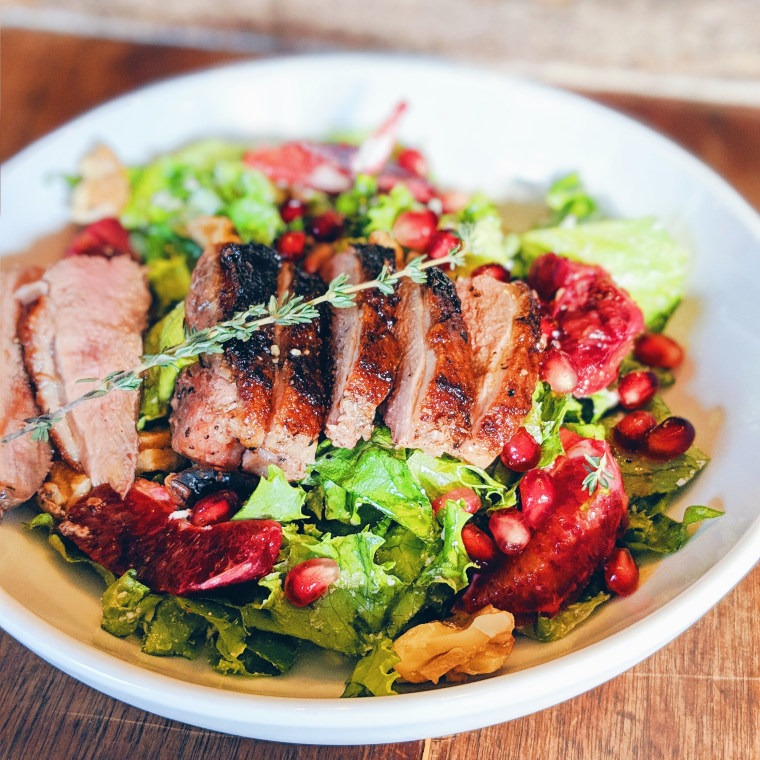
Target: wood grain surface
{"points": [[698, 698]]}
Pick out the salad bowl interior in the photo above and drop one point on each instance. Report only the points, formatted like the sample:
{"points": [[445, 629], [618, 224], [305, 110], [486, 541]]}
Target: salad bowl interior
{"points": [[509, 139]]}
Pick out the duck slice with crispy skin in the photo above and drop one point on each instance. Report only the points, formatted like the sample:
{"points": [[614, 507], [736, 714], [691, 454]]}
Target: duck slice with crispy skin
{"points": [[222, 404], [24, 462], [89, 324], [502, 322], [364, 349], [431, 402], [301, 385]]}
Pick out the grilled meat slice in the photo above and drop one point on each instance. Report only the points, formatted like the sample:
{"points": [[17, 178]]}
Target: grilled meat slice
{"points": [[301, 388], [87, 325], [223, 404], [365, 352], [24, 463], [431, 403], [502, 322]]}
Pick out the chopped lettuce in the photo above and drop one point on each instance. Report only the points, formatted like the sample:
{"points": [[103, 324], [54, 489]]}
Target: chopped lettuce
{"points": [[553, 628], [374, 674], [382, 215], [437, 475], [375, 473], [159, 383], [544, 420], [639, 254], [480, 227], [127, 604], [274, 499], [169, 280], [567, 197]]}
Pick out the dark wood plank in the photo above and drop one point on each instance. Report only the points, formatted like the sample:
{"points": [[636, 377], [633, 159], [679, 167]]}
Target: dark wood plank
{"points": [[697, 698]]}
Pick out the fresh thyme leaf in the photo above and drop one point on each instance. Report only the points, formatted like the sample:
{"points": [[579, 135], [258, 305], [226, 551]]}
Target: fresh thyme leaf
{"points": [[598, 474]]}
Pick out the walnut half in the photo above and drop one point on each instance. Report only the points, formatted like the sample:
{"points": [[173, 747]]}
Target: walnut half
{"points": [[462, 646]]}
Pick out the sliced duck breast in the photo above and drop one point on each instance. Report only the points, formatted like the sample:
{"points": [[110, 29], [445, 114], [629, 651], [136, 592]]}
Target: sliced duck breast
{"points": [[222, 405], [24, 462], [88, 325], [301, 387], [365, 351], [431, 402], [502, 322]]}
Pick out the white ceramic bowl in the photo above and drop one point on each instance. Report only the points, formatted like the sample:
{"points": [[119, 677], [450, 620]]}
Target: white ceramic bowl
{"points": [[480, 131]]}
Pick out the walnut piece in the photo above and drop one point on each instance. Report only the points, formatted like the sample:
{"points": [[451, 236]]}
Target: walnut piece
{"points": [[212, 230], [462, 646], [155, 453], [64, 486], [103, 190]]}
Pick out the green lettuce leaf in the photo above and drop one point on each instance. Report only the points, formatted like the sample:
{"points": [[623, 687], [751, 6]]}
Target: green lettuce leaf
{"points": [[169, 279], [438, 475], [388, 206], [544, 420], [639, 254], [377, 474], [349, 613], [653, 531], [568, 197], [171, 631], [274, 499], [127, 605], [374, 675], [557, 627], [480, 227], [158, 386]]}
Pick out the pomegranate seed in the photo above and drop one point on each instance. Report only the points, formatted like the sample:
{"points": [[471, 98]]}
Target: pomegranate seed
{"points": [[291, 245], [658, 351], [621, 573], [521, 452], [671, 438], [413, 229], [558, 370], [509, 530], [306, 582], [537, 496], [453, 201], [470, 498], [497, 271], [292, 210], [637, 389], [413, 161], [214, 508], [441, 243], [480, 547], [631, 431], [326, 227]]}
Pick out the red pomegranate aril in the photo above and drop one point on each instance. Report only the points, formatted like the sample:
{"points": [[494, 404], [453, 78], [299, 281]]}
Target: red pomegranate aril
{"points": [[106, 237], [621, 573], [306, 582], [632, 430], [291, 245], [480, 547], [671, 438], [326, 227], [215, 508], [538, 496], [291, 210], [470, 498], [658, 351], [558, 370], [413, 161], [413, 229], [545, 274], [441, 243], [497, 271], [637, 389], [521, 452], [509, 531]]}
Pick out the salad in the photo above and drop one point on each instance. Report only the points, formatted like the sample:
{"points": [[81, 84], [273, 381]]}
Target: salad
{"points": [[432, 527]]}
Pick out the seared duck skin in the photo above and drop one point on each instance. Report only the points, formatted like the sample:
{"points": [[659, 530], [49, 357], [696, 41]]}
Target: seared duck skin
{"points": [[87, 324], [431, 403], [301, 388], [24, 463], [502, 322], [365, 351], [222, 405]]}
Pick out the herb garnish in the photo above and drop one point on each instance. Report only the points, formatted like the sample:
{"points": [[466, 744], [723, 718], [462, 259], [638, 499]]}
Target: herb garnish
{"points": [[598, 474]]}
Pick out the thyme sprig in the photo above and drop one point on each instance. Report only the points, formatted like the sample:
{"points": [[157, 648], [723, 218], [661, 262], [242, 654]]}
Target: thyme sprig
{"points": [[289, 310], [598, 474]]}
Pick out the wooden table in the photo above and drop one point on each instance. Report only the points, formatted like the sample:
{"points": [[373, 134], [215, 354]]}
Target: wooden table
{"points": [[699, 697]]}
